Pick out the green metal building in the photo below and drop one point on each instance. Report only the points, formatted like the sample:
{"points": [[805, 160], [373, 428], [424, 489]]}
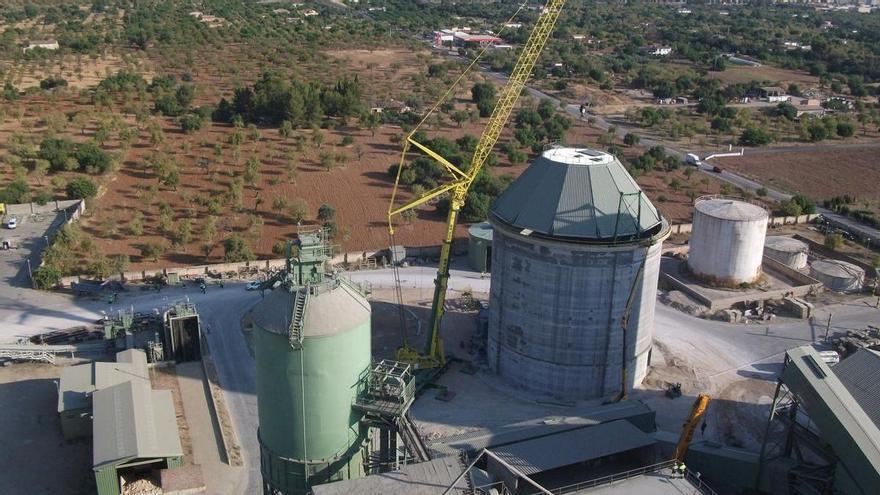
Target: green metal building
{"points": [[135, 430], [480, 246], [312, 348], [79, 383]]}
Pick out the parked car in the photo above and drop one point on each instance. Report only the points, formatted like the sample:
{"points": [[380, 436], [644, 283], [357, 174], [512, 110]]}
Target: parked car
{"points": [[11, 223], [717, 169]]}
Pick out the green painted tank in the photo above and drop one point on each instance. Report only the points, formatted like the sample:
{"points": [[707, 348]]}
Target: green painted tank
{"points": [[312, 346]]}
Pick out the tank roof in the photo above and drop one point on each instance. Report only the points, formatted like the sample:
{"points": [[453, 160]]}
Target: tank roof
{"points": [[783, 243], [837, 268], [482, 230], [332, 309], [578, 194], [730, 209]]}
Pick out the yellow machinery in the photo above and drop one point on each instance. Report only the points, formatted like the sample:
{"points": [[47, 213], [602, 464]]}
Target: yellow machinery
{"points": [[460, 181], [687, 431]]}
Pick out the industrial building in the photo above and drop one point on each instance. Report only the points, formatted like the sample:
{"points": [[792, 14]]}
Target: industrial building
{"points": [[575, 261], [79, 383], [135, 434], [727, 242], [133, 427], [828, 417]]}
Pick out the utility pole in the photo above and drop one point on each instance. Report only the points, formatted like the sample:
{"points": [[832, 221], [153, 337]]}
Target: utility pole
{"points": [[828, 326], [30, 273]]}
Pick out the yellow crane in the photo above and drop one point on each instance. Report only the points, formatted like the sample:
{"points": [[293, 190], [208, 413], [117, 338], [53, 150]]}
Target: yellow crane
{"points": [[460, 180], [690, 425]]}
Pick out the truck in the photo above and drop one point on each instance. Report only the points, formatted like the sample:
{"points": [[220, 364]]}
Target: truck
{"points": [[692, 159]]}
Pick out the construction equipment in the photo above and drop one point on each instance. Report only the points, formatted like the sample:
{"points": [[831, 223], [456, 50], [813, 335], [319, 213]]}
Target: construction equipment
{"points": [[460, 182], [687, 431]]}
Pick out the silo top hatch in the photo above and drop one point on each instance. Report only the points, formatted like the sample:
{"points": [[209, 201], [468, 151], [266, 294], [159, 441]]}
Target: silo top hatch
{"points": [[580, 195]]}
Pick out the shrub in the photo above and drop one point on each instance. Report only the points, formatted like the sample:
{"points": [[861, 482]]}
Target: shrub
{"points": [[16, 191], [150, 251], [845, 129], [237, 249], [834, 241], [42, 197], [81, 188], [299, 210], [631, 139], [190, 123], [47, 277], [326, 213], [755, 136], [92, 158], [53, 82], [762, 191]]}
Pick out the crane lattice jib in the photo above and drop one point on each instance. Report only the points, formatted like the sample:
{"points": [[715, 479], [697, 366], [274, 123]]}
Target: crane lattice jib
{"points": [[461, 180], [516, 83]]}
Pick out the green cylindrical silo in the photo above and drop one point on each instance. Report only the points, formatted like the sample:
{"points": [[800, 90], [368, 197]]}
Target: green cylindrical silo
{"points": [[312, 347]]}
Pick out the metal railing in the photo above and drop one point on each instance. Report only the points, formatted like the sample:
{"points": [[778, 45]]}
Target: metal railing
{"points": [[632, 473]]}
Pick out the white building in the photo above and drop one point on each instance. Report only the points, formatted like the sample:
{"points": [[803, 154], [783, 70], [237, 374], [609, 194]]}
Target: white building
{"points": [[44, 44], [658, 50]]}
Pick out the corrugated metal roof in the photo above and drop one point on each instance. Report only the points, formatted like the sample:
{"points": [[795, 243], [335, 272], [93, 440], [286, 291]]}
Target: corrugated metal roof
{"points": [[79, 382], [578, 194], [471, 442], [134, 356], [843, 423], [425, 478], [860, 374], [132, 421], [564, 449]]}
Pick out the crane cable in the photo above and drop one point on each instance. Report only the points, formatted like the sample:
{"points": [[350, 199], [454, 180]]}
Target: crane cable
{"points": [[466, 71], [394, 261]]}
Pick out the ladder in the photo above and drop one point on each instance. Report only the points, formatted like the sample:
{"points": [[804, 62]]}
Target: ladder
{"points": [[295, 337]]}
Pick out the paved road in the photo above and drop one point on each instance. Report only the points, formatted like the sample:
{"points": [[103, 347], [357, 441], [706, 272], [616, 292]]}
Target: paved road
{"points": [[600, 122], [753, 347]]}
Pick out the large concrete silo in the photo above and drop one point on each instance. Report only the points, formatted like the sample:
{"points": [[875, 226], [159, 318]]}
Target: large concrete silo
{"points": [[727, 242], [575, 239], [312, 346]]}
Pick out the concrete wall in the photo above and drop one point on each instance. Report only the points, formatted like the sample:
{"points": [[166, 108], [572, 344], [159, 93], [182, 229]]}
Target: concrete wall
{"points": [[802, 285], [687, 228], [458, 248], [555, 313]]}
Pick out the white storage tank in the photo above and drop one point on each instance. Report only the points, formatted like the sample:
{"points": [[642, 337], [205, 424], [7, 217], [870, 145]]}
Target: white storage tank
{"points": [[787, 250], [574, 236], [727, 242], [838, 275]]}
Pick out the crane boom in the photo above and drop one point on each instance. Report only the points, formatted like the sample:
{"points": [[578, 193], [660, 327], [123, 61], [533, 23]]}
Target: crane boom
{"points": [[461, 181], [690, 425]]}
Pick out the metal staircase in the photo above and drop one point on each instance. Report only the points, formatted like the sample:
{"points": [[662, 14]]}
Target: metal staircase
{"points": [[298, 322], [411, 438]]}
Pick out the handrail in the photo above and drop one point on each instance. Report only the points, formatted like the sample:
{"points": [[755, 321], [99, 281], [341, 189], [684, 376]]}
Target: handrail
{"points": [[653, 468]]}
